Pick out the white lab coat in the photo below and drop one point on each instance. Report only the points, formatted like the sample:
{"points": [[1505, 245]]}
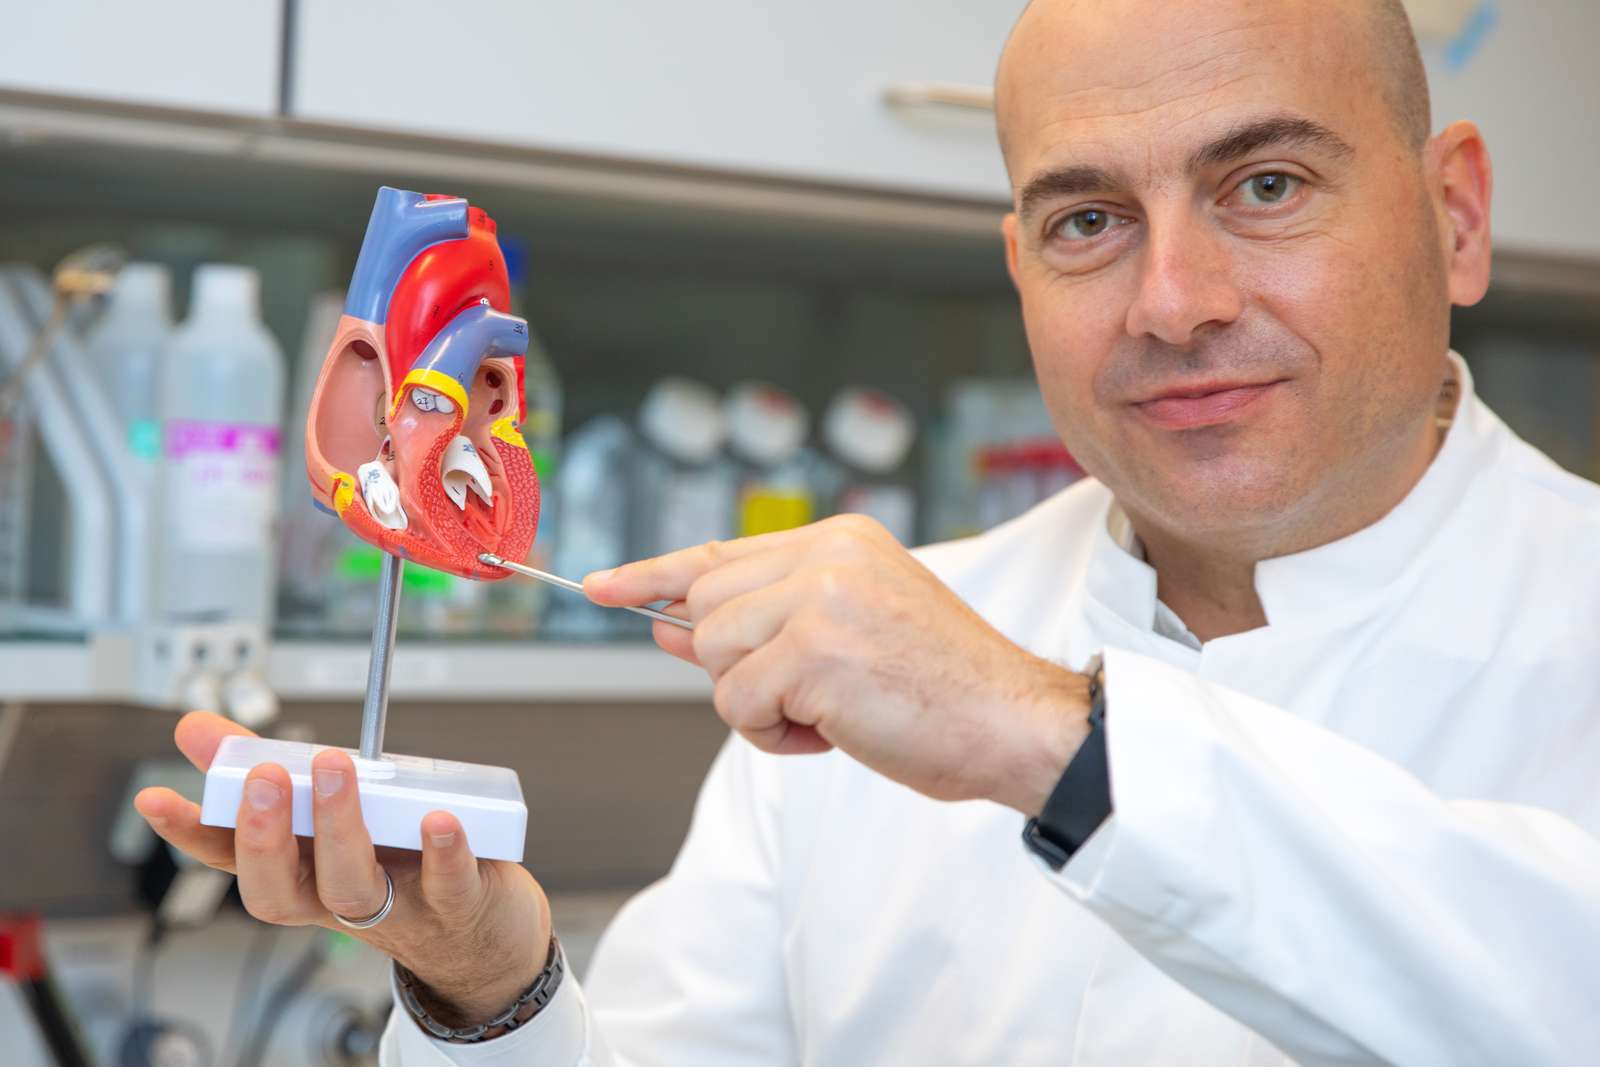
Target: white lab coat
{"points": [[1364, 833]]}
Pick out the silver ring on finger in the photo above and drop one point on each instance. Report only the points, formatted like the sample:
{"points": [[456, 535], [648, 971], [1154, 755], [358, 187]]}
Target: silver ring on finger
{"points": [[378, 916]]}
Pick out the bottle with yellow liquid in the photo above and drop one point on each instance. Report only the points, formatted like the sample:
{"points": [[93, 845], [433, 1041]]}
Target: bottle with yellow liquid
{"points": [[767, 429]]}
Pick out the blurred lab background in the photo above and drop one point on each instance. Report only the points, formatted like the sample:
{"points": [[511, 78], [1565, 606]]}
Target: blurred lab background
{"points": [[758, 246]]}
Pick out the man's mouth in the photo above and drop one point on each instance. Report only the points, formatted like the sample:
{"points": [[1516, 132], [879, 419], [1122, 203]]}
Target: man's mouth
{"points": [[1208, 404]]}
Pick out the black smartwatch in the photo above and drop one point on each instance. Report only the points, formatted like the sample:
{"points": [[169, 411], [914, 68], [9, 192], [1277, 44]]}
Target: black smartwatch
{"points": [[1081, 800]]}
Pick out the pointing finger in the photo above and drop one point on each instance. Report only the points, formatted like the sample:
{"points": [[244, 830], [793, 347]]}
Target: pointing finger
{"points": [[739, 576], [669, 577]]}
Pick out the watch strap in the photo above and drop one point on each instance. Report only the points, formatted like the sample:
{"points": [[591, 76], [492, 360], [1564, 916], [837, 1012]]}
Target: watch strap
{"points": [[1081, 800], [520, 1012]]}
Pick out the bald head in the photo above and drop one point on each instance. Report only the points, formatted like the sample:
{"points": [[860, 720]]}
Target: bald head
{"points": [[1399, 63], [1379, 31]]}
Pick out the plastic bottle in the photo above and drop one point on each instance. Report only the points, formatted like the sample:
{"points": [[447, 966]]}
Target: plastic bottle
{"points": [[16, 482], [541, 428], [870, 434], [592, 530], [682, 489], [312, 542], [778, 482], [221, 406], [126, 347]]}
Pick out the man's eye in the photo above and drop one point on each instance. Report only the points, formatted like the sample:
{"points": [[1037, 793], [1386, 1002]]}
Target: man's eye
{"points": [[1086, 225], [1267, 189]]}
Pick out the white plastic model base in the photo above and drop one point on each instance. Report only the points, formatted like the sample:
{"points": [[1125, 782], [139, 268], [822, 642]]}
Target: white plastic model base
{"points": [[396, 792]]}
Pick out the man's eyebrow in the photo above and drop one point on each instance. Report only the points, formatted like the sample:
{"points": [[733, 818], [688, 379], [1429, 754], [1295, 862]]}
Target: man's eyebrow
{"points": [[1064, 181], [1241, 141], [1282, 130]]}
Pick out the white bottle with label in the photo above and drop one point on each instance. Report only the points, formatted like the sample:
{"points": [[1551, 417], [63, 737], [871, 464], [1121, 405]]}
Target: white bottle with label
{"points": [[870, 434], [778, 476], [221, 408], [592, 530], [682, 487], [126, 347]]}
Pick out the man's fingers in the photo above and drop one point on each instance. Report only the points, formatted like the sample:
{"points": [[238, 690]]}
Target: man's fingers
{"points": [[675, 640], [662, 578], [744, 624], [750, 698], [800, 740], [744, 574], [200, 732], [451, 884], [177, 821], [669, 577], [270, 879], [349, 881]]}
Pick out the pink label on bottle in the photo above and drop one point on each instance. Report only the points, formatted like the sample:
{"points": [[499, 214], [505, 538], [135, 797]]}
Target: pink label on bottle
{"points": [[222, 485], [186, 437]]}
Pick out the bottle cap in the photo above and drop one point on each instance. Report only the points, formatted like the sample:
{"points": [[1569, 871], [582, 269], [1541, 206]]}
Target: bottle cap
{"points": [[225, 288], [145, 287], [765, 424], [683, 419], [868, 429]]}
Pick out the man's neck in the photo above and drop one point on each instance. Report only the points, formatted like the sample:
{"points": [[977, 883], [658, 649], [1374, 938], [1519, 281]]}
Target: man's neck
{"points": [[1211, 583], [1213, 595]]}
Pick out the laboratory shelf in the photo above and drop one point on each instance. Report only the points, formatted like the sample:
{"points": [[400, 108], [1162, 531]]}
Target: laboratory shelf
{"points": [[509, 671], [63, 671], [102, 669]]}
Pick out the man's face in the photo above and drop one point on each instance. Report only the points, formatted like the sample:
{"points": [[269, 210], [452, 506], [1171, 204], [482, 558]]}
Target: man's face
{"points": [[1229, 261]]}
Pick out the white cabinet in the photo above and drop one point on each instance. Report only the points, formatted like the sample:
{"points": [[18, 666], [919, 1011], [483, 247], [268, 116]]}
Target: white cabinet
{"points": [[1534, 87], [769, 87], [175, 53]]}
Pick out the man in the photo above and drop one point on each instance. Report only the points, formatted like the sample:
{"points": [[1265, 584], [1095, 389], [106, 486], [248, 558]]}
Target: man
{"points": [[1351, 686]]}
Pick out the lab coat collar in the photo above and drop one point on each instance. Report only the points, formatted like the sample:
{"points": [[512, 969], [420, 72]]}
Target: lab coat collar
{"points": [[1335, 580]]}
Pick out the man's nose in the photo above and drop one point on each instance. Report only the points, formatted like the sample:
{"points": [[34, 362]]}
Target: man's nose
{"points": [[1185, 282]]}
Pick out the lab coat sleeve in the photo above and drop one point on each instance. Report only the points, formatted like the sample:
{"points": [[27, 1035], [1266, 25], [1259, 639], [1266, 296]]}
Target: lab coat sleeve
{"points": [[558, 1036], [689, 973], [1327, 899]]}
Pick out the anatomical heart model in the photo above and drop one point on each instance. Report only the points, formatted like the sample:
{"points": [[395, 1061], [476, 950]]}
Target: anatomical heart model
{"points": [[413, 437], [413, 441]]}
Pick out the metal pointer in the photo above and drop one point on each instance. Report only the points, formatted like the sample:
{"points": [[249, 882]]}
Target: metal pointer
{"points": [[576, 587]]}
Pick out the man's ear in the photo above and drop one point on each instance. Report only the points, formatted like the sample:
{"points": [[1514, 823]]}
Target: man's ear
{"points": [[1462, 180], [1008, 229]]}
